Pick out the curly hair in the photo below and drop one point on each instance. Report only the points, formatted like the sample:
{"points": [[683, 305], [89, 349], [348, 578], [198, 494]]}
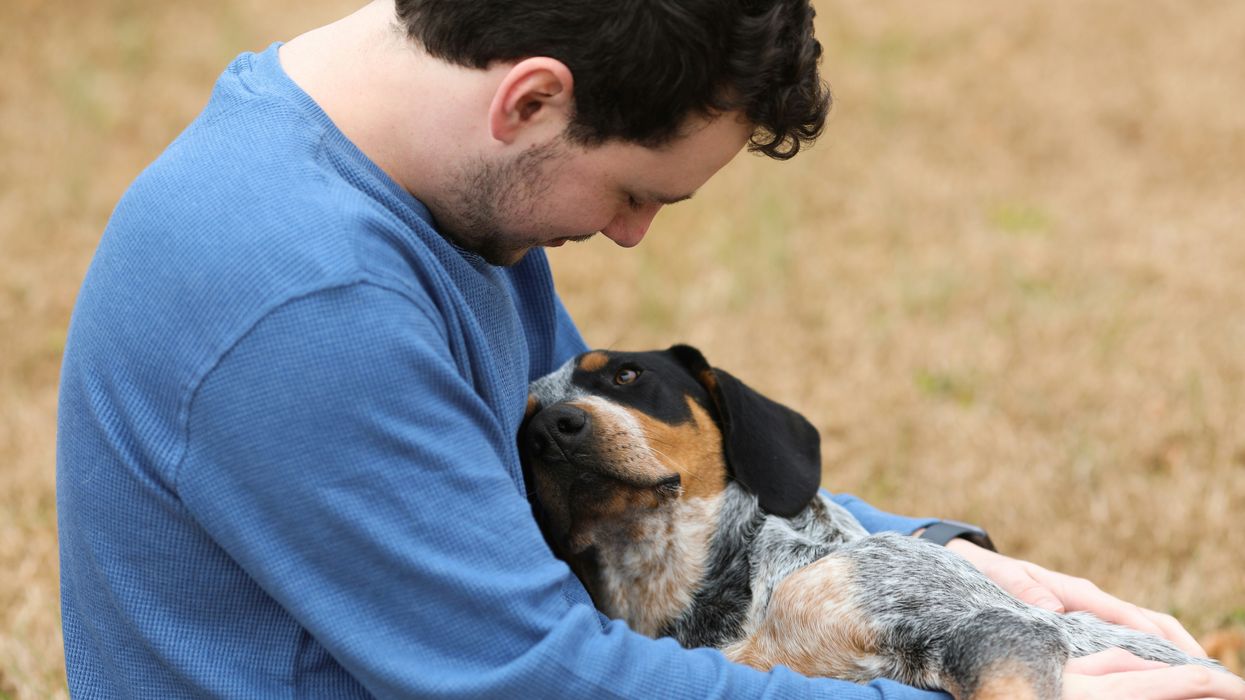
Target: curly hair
{"points": [[642, 67]]}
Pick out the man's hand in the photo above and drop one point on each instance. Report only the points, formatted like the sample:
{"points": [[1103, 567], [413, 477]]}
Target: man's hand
{"points": [[1116, 673], [1062, 593]]}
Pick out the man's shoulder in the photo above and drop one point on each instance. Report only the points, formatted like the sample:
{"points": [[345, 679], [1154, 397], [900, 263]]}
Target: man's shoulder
{"points": [[233, 220], [216, 206], [256, 153], [260, 190]]}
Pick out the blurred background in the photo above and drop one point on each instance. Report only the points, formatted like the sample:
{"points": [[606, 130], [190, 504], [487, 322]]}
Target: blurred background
{"points": [[1008, 285]]}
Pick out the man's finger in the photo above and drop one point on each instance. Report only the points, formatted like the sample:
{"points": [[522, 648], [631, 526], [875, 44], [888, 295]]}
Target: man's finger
{"points": [[1174, 632], [1181, 683], [1127, 614], [1114, 660], [1030, 590], [1170, 683], [1082, 594]]}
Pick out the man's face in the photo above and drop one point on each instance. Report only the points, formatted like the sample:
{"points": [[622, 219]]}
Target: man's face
{"points": [[558, 191]]}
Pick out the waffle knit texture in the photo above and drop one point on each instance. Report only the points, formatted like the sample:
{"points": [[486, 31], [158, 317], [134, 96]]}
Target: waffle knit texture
{"points": [[286, 462]]}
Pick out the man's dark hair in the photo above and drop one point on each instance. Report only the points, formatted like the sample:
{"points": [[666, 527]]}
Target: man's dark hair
{"points": [[642, 67]]}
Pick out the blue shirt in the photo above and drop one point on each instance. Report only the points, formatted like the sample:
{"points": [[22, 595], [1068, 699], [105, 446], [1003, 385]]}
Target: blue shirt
{"points": [[286, 461]]}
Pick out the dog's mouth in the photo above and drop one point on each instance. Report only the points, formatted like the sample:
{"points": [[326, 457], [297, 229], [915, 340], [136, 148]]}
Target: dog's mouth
{"points": [[585, 474]]}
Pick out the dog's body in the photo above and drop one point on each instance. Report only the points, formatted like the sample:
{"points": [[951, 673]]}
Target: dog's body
{"points": [[689, 506]]}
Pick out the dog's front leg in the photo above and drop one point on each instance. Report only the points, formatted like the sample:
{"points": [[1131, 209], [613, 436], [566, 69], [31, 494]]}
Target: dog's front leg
{"points": [[1001, 654], [821, 621], [812, 625]]}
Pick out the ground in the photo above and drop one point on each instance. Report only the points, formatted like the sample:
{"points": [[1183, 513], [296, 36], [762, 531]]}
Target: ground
{"points": [[1006, 285]]}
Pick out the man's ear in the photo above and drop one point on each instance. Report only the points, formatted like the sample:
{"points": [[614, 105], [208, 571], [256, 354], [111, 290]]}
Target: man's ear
{"points": [[770, 449], [534, 92]]}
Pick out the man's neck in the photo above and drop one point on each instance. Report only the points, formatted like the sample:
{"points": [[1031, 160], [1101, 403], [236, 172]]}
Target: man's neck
{"points": [[408, 112]]}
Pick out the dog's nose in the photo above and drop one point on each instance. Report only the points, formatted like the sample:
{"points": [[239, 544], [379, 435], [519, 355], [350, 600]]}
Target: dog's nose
{"points": [[563, 425]]}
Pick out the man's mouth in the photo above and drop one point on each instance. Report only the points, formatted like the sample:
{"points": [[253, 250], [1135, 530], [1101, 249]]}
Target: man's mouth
{"points": [[562, 241]]}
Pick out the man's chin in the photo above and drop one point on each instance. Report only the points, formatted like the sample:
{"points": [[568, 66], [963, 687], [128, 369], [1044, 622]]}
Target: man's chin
{"points": [[513, 256], [497, 251], [504, 258]]}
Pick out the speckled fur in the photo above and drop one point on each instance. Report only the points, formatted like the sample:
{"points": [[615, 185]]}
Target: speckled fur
{"points": [[935, 621], [818, 594]]}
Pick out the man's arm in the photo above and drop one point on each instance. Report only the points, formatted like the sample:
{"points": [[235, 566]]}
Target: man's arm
{"points": [[349, 469], [1062, 593], [1032, 583], [875, 520]]}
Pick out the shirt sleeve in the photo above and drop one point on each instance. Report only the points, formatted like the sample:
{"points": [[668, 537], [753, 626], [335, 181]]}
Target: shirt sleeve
{"points": [[355, 475], [875, 520], [567, 341]]}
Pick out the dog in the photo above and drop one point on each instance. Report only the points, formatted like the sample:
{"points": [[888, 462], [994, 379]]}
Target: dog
{"points": [[690, 506]]}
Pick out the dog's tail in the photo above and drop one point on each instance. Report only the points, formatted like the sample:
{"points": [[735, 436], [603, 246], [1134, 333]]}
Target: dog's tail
{"points": [[1007, 653], [1087, 634]]}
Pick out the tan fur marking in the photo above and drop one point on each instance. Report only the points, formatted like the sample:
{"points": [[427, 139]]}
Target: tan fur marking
{"points": [[1002, 683], [692, 449], [593, 361], [708, 380], [640, 449], [532, 404], [812, 626]]}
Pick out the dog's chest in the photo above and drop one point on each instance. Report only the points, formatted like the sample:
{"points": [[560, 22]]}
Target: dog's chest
{"points": [[703, 569], [784, 546], [750, 555], [650, 572]]}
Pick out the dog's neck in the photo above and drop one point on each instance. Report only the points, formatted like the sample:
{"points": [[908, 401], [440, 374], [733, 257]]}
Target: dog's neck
{"points": [[699, 569], [751, 551], [648, 568]]}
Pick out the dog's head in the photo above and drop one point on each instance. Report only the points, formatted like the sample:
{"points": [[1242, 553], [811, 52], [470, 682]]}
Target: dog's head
{"points": [[612, 435]]}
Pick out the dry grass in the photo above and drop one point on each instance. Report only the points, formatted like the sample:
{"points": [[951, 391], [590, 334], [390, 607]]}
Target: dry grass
{"points": [[1007, 285]]}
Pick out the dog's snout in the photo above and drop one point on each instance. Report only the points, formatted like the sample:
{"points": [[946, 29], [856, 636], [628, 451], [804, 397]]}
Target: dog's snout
{"points": [[564, 421], [562, 425], [572, 423]]}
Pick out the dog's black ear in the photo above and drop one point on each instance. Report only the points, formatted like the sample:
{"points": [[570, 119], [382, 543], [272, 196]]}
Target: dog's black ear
{"points": [[770, 449]]}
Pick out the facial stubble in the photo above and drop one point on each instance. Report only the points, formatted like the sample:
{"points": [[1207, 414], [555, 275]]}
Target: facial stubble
{"points": [[488, 199]]}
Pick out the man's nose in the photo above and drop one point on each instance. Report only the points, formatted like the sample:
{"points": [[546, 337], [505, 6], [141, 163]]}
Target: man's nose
{"points": [[628, 228]]}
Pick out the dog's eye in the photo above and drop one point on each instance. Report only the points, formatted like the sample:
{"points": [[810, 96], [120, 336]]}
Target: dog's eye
{"points": [[626, 375]]}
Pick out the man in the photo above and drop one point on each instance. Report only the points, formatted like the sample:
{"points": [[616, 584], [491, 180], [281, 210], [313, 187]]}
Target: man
{"points": [[286, 461]]}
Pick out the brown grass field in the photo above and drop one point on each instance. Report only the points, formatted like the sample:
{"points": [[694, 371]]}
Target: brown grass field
{"points": [[1008, 285]]}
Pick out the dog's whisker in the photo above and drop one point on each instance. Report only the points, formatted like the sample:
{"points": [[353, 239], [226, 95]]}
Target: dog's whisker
{"points": [[661, 454]]}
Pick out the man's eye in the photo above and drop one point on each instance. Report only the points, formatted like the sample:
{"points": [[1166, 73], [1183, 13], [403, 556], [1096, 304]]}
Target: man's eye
{"points": [[626, 375]]}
